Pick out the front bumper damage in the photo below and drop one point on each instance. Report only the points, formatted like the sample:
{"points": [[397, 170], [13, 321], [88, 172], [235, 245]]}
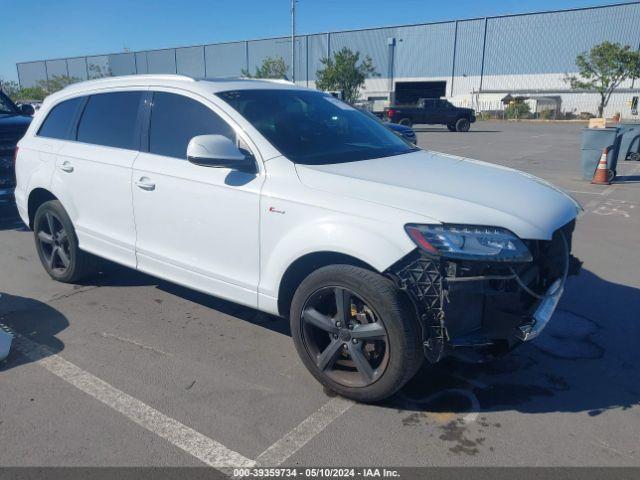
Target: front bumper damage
{"points": [[471, 308]]}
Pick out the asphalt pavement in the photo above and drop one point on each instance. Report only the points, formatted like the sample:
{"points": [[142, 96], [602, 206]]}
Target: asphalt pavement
{"points": [[129, 370]]}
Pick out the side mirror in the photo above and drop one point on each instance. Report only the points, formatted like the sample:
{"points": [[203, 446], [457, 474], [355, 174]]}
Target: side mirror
{"points": [[218, 151], [27, 109]]}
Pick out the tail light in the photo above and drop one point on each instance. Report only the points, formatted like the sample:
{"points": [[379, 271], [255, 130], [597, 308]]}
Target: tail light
{"points": [[391, 112]]}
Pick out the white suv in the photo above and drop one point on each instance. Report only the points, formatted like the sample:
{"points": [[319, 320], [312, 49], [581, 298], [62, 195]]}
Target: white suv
{"points": [[287, 200]]}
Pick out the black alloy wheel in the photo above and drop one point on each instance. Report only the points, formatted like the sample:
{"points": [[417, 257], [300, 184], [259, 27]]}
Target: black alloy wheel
{"points": [[57, 245], [345, 337], [53, 242], [356, 332]]}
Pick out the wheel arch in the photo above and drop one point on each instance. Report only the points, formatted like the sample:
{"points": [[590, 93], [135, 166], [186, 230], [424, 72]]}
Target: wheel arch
{"points": [[303, 266], [37, 197]]}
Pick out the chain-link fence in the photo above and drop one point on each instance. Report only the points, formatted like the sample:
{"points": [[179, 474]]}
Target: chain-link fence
{"points": [[527, 55]]}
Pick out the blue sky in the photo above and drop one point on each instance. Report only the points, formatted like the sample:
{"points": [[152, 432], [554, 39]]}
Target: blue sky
{"points": [[42, 29]]}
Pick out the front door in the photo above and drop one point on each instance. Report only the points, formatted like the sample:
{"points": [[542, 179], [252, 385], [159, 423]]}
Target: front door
{"points": [[197, 226]]}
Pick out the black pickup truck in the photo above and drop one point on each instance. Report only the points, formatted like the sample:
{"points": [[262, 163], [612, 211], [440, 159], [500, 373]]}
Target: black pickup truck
{"points": [[432, 111], [13, 123]]}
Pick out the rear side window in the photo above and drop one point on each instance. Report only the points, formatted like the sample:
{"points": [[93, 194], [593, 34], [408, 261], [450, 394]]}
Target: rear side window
{"points": [[58, 122], [110, 119], [175, 120]]}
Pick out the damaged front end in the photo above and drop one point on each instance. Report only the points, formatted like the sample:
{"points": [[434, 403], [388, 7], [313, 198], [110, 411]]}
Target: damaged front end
{"points": [[474, 306]]}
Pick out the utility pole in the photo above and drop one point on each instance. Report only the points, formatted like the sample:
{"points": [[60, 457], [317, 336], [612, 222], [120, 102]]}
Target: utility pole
{"points": [[293, 40]]}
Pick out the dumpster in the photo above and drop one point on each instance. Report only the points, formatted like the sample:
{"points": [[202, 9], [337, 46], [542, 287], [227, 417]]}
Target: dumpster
{"points": [[593, 141], [629, 141]]}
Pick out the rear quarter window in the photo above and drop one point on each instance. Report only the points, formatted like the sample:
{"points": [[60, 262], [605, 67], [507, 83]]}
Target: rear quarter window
{"points": [[110, 119], [60, 119]]}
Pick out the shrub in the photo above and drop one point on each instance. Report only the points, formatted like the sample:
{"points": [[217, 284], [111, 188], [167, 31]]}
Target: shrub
{"points": [[517, 110]]}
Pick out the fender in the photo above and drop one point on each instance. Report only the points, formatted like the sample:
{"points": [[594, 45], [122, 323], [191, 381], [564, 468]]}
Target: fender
{"points": [[369, 245]]}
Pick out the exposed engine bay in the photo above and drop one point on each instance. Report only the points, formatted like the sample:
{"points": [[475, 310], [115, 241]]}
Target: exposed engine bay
{"points": [[473, 307]]}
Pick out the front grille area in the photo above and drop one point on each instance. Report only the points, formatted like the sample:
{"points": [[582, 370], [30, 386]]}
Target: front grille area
{"points": [[7, 168], [464, 303]]}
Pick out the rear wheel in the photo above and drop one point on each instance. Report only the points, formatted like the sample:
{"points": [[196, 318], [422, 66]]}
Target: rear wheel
{"points": [[57, 245], [406, 122], [463, 125], [451, 128], [355, 333]]}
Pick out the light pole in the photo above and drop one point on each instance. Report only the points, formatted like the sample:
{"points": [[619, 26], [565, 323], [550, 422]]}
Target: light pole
{"points": [[293, 40]]}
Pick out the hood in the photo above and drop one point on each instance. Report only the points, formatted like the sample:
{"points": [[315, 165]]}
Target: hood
{"points": [[449, 189], [14, 123]]}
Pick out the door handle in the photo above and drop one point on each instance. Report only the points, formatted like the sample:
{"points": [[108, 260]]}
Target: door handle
{"points": [[145, 184], [66, 167]]}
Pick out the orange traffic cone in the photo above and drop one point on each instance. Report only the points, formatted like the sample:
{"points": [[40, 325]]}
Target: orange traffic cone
{"points": [[602, 174]]}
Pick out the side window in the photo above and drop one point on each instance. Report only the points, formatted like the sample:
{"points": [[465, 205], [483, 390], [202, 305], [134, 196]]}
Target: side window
{"points": [[109, 119], [176, 119], [59, 120]]}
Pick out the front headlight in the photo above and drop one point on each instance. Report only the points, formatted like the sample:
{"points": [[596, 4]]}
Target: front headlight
{"points": [[469, 242]]}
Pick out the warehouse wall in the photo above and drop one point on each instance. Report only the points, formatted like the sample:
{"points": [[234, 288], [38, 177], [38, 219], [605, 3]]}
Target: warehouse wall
{"points": [[523, 53]]}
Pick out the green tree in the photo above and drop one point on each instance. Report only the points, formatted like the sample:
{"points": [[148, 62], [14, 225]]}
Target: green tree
{"points": [[346, 73], [56, 83], [270, 68], [603, 69], [10, 88], [99, 71], [30, 93]]}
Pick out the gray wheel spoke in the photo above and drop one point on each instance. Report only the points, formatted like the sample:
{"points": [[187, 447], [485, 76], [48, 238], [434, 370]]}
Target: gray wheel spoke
{"points": [[62, 237], [62, 255], [343, 304], [329, 354], [45, 237], [369, 331], [52, 258], [314, 317], [360, 361], [49, 218]]}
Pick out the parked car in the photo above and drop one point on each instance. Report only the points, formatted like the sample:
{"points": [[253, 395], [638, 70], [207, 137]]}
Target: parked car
{"points": [[13, 123], [289, 201], [5, 344], [406, 132], [433, 111]]}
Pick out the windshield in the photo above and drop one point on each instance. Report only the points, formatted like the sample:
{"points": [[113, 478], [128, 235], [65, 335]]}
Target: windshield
{"points": [[315, 128], [6, 105]]}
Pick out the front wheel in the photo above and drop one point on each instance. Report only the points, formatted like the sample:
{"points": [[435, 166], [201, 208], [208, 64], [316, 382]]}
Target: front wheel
{"points": [[57, 244], [451, 128], [463, 125], [355, 332]]}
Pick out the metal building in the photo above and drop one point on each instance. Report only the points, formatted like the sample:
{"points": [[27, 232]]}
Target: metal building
{"points": [[474, 62]]}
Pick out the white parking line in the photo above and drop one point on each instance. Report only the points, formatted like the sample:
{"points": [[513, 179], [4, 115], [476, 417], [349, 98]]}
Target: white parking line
{"points": [[297, 438], [192, 442]]}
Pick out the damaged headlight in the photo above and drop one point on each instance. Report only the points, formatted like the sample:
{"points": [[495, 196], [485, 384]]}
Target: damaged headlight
{"points": [[469, 242]]}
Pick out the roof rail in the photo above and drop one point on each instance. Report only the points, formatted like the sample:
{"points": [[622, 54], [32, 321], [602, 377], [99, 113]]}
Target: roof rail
{"points": [[242, 77], [148, 76]]}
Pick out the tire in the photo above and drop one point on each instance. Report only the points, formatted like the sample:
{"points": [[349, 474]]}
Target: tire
{"points": [[53, 231], [406, 122], [463, 125], [451, 128], [377, 297]]}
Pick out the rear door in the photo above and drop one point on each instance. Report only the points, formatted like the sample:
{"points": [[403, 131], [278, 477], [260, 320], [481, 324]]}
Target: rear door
{"points": [[93, 174]]}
